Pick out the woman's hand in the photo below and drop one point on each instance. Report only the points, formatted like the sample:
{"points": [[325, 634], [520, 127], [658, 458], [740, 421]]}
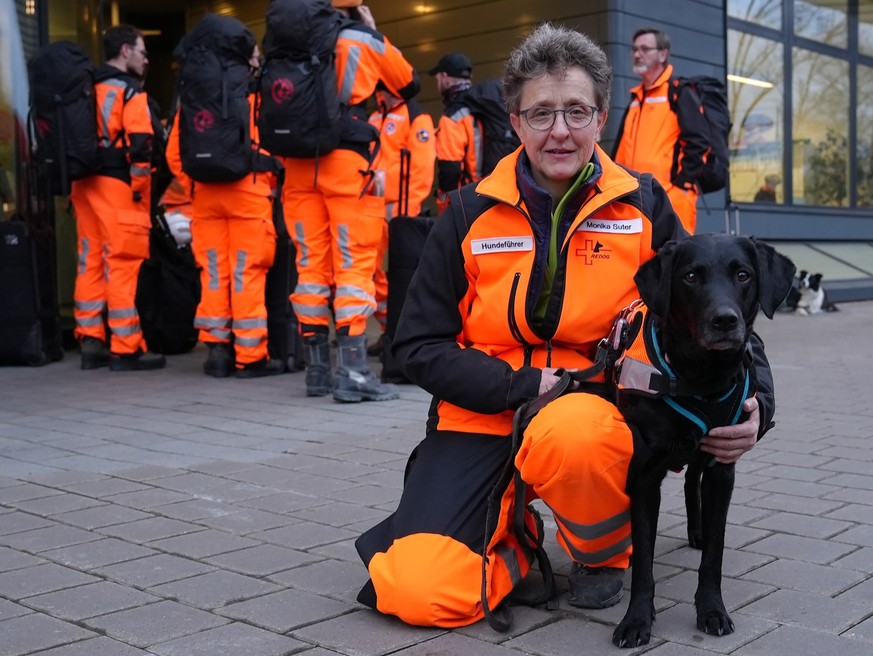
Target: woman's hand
{"points": [[728, 443]]}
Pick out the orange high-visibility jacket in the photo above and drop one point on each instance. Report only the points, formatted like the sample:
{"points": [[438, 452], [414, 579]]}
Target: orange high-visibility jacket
{"points": [[654, 139], [124, 129], [459, 145], [406, 126]]}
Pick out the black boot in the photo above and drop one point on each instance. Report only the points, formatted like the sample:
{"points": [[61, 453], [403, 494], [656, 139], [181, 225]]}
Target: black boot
{"points": [[94, 353], [261, 368], [354, 380], [139, 361], [316, 351], [219, 362]]}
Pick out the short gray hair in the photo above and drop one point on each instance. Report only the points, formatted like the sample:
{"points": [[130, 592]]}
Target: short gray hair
{"points": [[552, 49]]}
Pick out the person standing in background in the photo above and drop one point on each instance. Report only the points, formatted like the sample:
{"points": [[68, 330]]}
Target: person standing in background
{"points": [[653, 138], [403, 126], [112, 212]]}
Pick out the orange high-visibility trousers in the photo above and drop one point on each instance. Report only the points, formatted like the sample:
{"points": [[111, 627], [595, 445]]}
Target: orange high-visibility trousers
{"points": [[336, 231], [425, 559], [234, 242], [113, 241], [380, 277]]}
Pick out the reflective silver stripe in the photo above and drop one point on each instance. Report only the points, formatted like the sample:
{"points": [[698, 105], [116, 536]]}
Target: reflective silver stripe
{"points": [[460, 115], [598, 530], [596, 556], [89, 322], [312, 288], [106, 110], [366, 38], [349, 74], [126, 331], [212, 322], [350, 311], [507, 553], [390, 209], [478, 148], [238, 271], [90, 306], [314, 312], [212, 267], [382, 306], [218, 333], [352, 291], [84, 250], [136, 169], [300, 243], [250, 342], [123, 313], [637, 375], [249, 324], [343, 245]]}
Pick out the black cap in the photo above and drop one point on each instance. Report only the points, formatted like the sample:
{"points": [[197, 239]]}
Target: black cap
{"points": [[455, 64]]}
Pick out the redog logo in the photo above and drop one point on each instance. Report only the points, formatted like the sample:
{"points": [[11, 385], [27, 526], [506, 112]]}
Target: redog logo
{"points": [[203, 120], [281, 90], [593, 250]]}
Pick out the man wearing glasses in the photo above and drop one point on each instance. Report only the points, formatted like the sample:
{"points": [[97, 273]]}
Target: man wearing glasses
{"points": [[656, 138], [112, 211]]}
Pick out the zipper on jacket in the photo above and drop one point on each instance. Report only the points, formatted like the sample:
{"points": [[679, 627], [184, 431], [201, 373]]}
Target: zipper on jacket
{"points": [[548, 352], [514, 330]]}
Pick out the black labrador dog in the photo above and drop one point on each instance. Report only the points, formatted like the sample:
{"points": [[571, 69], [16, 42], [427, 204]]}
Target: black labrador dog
{"points": [[689, 371]]}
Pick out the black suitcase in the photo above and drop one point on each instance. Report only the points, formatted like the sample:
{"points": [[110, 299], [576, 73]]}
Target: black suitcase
{"points": [[406, 238], [29, 322], [284, 341], [168, 292]]}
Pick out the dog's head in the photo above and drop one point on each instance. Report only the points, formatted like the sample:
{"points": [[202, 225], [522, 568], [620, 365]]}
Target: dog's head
{"points": [[710, 287]]}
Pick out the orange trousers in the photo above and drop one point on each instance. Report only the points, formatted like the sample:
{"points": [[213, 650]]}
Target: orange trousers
{"points": [[234, 243], [425, 560], [337, 232], [113, 240]]}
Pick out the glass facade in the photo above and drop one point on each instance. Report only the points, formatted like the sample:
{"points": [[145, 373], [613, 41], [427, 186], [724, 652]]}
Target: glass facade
{"points": [[800, 76]]}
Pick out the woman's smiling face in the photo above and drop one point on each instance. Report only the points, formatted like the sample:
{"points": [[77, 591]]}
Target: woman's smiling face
{"points": [[558, 154]]}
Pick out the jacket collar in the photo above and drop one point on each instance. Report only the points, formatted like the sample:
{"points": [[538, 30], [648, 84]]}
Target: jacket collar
{"points": [[663, 79]]}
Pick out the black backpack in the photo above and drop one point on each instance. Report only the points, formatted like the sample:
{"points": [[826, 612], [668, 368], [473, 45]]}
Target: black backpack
{"points": [[299, 111], [63, 113], [214, 131], [713, 99], [485, 101]]}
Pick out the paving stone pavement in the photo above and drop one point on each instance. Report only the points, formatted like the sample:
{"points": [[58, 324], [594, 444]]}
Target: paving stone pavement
{"points": [[174, 514]]}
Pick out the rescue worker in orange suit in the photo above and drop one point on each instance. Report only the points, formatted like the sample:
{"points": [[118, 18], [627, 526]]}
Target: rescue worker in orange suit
{"points": [[336, 222], [112, 212], [234, 242], [654, 139], [459, 134], [507, 291], [402, 125]]}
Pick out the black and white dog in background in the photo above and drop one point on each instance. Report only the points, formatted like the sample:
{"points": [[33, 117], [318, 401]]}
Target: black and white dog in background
{"points": [[813, 299]]}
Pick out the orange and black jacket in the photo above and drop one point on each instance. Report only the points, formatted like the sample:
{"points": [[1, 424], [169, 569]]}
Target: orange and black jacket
{"points": [[671, 145], [124, 129], [458, 143], [365, 57], [467, 333]]}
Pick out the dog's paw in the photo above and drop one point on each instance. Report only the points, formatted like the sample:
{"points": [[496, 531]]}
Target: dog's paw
{"points": [[714, 622], [632, 632]]}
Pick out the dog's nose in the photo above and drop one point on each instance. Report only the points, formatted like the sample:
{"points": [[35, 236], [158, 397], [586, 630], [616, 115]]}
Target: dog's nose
{"points": [[725, 320]]}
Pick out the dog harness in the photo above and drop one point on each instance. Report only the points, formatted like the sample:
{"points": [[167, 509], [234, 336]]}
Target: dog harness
{"points": [[642, 368]]}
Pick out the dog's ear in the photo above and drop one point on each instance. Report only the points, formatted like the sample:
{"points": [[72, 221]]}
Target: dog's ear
{"points": [[775, 277], [654, 280], [803, 273]]}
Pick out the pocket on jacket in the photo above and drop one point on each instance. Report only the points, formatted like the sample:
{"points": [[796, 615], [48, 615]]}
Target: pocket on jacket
{"points": [[133, 234]]}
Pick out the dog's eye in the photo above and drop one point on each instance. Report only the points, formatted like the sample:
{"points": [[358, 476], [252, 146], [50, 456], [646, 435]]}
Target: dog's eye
{"points": [[743, 276], [690, 277]]}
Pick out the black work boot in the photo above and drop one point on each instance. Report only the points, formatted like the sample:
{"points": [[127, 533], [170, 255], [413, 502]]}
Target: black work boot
{"points": [[594, 587], [260, 368], [354, 380], [94, 353], [316, 352], [139, 361], [219, 362]]}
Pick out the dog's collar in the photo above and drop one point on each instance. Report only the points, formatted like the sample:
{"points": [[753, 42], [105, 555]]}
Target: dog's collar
{"points": [[643, 369]]}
